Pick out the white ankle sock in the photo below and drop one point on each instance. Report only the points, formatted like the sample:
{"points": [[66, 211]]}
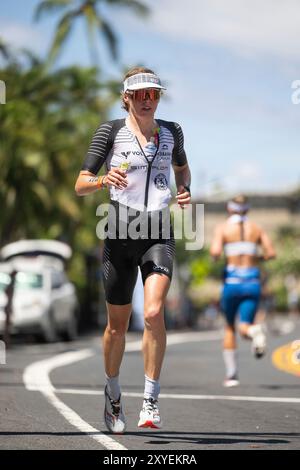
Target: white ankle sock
{"points": [[152, 388], [113, 386], [230, 359]]}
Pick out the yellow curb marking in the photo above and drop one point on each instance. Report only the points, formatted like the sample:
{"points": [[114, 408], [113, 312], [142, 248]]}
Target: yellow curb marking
{"points": [[287, 358]]}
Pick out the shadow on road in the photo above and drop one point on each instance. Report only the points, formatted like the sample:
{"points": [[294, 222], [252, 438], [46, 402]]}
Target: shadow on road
{"points": [[166, 437], [281, 386], [50, 433]]}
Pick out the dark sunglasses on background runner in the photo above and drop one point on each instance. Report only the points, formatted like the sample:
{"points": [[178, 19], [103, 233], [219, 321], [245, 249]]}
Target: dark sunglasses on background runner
{"points": [[145, 93]]}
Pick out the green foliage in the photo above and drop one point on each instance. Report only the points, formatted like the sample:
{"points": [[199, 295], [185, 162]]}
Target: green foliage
{"points": [[288, 252], [203, 267], [200, 269], [45, 130], [280, 298], [199, 263]]}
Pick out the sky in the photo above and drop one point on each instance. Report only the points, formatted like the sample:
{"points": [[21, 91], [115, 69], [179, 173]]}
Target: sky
{"points": [[228, 66]]}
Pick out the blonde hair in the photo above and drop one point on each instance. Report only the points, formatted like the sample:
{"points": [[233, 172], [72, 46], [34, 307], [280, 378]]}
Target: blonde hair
{"points": [[130, 73], [240, 199]]}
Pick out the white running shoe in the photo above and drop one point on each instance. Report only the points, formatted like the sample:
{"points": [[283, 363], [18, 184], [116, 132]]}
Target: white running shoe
{"points": [[149, 416], [231, 382], [113, 414], [259, 343]]}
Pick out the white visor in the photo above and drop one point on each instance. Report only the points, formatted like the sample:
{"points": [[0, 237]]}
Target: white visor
{"points": [[236, 207], [142, 80]]}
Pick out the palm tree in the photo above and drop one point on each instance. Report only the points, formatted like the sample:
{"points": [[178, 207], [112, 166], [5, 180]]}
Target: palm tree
{"points": [[89, 10], [5, 50], [45, 128]]}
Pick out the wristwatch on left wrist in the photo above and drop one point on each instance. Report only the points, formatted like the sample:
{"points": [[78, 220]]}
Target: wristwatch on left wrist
{"points": [[187, 188]]}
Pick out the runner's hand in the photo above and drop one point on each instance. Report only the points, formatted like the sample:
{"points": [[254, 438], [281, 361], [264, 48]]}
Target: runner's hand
{"points": [[116, 177], [183, 196]]}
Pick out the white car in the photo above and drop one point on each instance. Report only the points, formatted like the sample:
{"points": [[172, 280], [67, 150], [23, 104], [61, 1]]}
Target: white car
{"points": [[44, 300]]}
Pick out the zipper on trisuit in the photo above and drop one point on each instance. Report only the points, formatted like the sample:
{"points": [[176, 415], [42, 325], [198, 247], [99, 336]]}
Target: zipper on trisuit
{"points": [[148, 170]]}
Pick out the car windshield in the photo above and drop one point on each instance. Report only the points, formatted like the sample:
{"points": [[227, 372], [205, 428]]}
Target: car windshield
{"points": [[24, 280]]}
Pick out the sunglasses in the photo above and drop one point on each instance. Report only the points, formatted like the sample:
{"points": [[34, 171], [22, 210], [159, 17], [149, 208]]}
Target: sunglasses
{"points": [[152, 94]]}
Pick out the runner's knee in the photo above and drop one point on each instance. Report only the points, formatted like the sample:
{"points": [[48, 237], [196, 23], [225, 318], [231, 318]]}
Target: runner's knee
{"points": [[153, 314], [117, 330]]}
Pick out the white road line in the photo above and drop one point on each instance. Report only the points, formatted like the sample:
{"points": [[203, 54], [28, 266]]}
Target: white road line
{"points": [[75, 391], [178, 338], [36, 377]]}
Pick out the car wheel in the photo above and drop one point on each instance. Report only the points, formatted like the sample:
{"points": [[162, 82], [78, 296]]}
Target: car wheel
{"points": [[71, 331]]}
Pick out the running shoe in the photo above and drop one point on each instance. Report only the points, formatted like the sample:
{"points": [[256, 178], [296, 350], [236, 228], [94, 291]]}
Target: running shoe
{"points": [[149, 416], [113, 414], [259, 343], [231, 382]]}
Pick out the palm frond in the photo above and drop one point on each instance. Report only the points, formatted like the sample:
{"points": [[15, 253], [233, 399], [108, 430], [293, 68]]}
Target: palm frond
{"points": [[109, 35], [62, 32], [50, 6], [92, 23], [138, 7], [32, 58], [4, 49]]}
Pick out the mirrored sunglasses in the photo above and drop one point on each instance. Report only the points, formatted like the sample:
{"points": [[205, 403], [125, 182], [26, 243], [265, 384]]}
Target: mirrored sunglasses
{"points": [[152, 94]]}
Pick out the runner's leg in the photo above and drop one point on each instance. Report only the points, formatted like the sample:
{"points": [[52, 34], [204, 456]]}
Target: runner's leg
{"points": [[114, 337], [230, 305], [154, 338]]}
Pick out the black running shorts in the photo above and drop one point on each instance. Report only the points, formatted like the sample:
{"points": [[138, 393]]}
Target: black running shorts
{"points": [[121, 259]]}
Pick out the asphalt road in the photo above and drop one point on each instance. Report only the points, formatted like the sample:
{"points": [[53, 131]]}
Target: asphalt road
{"points": [[52, 397]]}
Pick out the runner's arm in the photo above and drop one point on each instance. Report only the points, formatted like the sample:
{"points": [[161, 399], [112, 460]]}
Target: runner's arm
{"points": [[181, 167], [88, 181], [183, 182], [267, 246]]}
